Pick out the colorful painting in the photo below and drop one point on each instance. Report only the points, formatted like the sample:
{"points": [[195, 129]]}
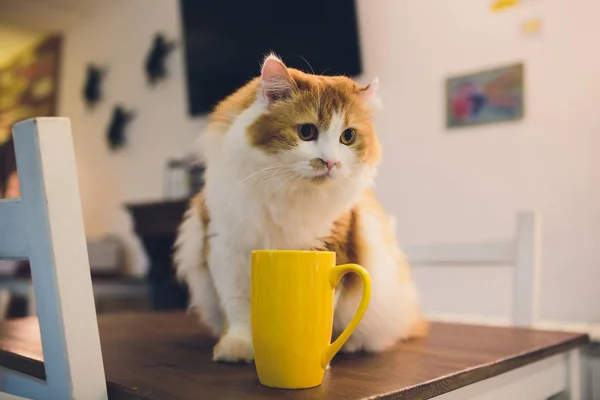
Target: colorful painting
{"points": [[28, 85], [490, 96]]}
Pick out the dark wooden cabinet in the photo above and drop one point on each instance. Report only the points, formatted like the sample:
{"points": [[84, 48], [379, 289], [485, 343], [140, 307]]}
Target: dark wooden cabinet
{"points": [[156, 225]]}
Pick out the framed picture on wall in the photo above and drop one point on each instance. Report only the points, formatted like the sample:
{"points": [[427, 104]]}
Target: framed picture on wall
{"points": [[29, 84], [28, 88], [494, 95]]}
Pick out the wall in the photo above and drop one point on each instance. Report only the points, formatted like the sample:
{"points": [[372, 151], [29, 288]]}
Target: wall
{"points": [[466, 185], [443, 186], [119, 37]]}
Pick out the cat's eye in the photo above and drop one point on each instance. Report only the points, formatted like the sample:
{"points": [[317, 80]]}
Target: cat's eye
{"points": [[348, 137], [308, 132]]}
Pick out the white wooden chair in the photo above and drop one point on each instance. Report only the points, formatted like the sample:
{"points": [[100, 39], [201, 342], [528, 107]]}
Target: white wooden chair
{"points": [[523, 252], [45, 225]]}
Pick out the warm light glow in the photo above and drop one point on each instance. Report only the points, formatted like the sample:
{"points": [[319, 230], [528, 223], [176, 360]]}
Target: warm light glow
{"points": [[14, 41]]}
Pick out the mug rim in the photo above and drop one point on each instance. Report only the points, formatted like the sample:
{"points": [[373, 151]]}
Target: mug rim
{"points": [[293, 251]]}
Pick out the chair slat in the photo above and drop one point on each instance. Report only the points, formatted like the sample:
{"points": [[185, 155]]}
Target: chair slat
{"points": [[13, 241], [523, 253], [528, 264], [462, 253], [59, 260]]}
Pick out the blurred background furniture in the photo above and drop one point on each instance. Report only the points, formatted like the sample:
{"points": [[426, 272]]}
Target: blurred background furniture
{"points": [[114, 289], [156, 226], [522, 252]]}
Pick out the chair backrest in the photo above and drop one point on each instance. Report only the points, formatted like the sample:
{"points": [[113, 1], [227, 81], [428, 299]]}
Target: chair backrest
{"points": [[45, 225], [523, 251]]}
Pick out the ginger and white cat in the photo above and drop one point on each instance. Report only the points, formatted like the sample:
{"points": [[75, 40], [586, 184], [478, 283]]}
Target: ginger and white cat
{"points": [[290, 159]]}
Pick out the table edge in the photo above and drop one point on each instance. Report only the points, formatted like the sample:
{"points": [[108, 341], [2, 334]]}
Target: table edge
{"points": [[35, 367], [454, 381]]}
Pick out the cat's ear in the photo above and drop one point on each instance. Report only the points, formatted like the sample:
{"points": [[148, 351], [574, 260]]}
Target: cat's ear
{"points": [[276, 81], [370, 95]]}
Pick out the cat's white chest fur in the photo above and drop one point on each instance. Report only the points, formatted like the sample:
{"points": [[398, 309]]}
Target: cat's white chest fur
{"points": [[283, 220]]}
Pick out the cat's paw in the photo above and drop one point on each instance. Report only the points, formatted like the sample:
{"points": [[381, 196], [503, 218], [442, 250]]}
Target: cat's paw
{"points": [[234, 348]]}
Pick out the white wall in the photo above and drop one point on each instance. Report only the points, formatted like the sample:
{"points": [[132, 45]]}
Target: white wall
{"points": [[443, 186], [119, 38], [465, 185]]}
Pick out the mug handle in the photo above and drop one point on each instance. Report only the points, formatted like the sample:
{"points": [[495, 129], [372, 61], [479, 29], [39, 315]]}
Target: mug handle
{"points": [[336, 274]]}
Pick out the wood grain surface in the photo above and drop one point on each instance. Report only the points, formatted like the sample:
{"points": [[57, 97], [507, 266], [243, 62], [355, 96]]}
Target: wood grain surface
{"points": [[168, 356]]}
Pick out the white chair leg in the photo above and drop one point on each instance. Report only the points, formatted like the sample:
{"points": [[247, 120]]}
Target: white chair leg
{"points": [[577, 370], [59, 260]]}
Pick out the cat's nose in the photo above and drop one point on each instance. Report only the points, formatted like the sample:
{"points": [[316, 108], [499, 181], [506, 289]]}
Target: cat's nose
{"points": [[330, 164]]}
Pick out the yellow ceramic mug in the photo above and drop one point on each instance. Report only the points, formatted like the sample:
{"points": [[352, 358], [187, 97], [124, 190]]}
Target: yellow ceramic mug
{"points": [[292, 295]]}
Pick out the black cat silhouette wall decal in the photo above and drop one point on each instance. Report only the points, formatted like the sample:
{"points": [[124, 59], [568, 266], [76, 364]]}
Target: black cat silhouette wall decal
{"points": [[116, 130], [155, 62], [92, 88]]}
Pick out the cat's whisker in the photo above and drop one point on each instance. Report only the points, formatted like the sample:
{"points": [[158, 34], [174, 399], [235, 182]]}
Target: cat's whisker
{"points": [[287, 180], [297, 179], [263, 179], [257, 175], [269, 181], [307, 63], [259, 172], [250, 177]]}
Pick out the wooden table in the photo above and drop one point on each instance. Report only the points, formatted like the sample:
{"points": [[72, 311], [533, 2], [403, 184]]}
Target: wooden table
{"points": [[168, 356]]}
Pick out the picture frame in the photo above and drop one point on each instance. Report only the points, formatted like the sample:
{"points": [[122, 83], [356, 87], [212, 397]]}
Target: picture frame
{"points": [[484, 97], [29, 84]]}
